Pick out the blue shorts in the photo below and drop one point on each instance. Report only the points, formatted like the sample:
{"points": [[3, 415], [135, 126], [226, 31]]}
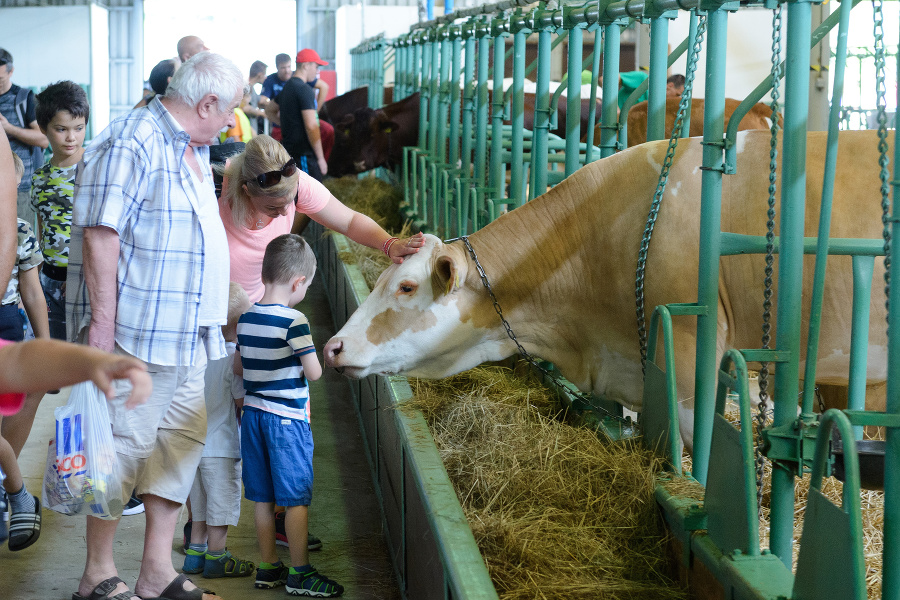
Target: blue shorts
{"points": [[277, 454]]}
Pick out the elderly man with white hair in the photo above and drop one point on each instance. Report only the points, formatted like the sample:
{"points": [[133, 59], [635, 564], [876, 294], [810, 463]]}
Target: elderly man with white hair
{"points": [[148, 277]]}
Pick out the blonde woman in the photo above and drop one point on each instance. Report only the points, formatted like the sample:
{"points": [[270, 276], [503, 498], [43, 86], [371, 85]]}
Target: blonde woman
{"points": [[262, 194]]}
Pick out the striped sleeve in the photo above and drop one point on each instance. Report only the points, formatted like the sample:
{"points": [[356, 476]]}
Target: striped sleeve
{"points": [[299, 336]]}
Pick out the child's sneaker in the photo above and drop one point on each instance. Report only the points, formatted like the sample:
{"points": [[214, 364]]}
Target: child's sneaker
{"points": [[269, 578], [194, 561], [226, 566], [311, 583]]}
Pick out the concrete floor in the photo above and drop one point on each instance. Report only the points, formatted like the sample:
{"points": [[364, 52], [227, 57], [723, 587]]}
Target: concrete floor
{"points": [[344, 512]]}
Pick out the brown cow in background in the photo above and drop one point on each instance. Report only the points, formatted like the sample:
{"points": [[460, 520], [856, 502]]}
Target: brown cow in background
{"points": [[369, 138], [757, 118]]}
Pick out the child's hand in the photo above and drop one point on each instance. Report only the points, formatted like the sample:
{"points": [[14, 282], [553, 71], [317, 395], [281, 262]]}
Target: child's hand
{"points": [[124, 367]]}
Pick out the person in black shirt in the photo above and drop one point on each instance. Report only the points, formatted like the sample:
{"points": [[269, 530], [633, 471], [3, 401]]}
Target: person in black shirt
{"points": [[294, 110]]}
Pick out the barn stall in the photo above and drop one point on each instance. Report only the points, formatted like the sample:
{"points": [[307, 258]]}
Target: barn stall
{"points": [[463, 174]]}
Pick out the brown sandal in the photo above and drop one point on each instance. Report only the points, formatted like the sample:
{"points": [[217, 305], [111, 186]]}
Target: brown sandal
{"points": [[103, 590], [175, 591]]}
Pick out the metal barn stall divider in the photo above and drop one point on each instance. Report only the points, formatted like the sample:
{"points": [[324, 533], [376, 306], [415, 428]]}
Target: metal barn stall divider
{"points": [[475, 159]]}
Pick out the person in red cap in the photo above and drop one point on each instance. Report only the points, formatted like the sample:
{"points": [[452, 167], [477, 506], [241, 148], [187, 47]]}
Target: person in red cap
{"points": [[294, 110]]}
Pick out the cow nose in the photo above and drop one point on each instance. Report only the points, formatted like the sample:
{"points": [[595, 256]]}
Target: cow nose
{"points": [[332, 349]]}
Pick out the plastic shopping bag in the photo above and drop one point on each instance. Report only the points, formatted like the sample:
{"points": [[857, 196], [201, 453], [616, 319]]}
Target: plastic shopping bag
{"points": [[82, 471]]}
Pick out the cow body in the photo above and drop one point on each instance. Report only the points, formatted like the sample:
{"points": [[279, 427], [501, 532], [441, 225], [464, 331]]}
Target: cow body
{"points": [[338, 107], [563, 270], [758, 117]]}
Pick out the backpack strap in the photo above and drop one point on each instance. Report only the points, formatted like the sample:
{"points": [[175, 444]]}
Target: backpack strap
{"points": [[22, 104]]}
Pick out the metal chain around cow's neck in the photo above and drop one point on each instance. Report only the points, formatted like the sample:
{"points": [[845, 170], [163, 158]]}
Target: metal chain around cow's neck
{"points": [[762, 408], [683, 108], [882, 145], [587, 400]]}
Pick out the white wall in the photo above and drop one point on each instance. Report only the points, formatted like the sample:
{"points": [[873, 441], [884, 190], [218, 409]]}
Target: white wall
{"points": [[749, 51], [353, 24], [99, 78], [52, 43]]}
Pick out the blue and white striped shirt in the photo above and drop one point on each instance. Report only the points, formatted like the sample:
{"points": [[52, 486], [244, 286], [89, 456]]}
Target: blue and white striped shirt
{"points": [[173, 257], [272, 338]]}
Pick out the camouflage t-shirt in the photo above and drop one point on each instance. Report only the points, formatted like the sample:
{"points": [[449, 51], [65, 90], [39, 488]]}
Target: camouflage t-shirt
{"points": [[51, 195], [27, 257]]}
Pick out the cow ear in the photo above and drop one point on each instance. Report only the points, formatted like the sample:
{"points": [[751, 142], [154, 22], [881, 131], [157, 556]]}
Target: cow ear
{"points": [[448, 274], [388, 126]]}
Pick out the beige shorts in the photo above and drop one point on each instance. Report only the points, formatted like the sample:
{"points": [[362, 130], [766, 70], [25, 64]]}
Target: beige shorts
{"points": [[216, 495], [160, 442]]}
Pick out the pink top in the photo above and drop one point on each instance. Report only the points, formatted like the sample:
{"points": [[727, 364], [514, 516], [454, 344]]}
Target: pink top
{"points": [[246, 247], [10, 403]]}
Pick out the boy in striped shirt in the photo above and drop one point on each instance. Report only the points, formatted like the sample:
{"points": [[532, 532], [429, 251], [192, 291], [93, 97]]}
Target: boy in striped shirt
{"points": [[278, 359]]}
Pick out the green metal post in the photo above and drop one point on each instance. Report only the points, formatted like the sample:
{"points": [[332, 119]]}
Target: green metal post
{"points": [[423, 66], [890, 584], [790, 261], [444, 95], [434, 101], [520, 34], [656, 101], [379, 56], [541, 117], [710, 225], [610, 116], [592, 115], [573, 100], [815, 320], [468, 106], [863, 267], [498, 174], [482, 111], [455, 96]]}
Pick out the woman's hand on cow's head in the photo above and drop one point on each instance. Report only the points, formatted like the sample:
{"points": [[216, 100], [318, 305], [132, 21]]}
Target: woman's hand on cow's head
{"points": [[402, 248]]}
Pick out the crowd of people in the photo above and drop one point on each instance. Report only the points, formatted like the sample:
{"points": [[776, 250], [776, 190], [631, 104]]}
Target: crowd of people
{"points": [[130, 270]]}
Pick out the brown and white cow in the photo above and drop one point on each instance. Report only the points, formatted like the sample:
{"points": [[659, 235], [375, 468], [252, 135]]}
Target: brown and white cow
{"points": [[758, 117], [563, 269]]}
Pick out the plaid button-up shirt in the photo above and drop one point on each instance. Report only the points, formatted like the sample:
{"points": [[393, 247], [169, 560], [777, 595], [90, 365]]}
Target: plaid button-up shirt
{"points": [[134, 179]]}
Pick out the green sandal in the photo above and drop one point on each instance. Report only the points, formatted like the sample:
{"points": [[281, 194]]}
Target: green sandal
{"points": [[226, 566]]}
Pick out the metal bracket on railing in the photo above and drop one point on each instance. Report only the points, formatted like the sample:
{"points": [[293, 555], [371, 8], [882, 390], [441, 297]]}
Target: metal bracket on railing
{"points": [[792, 446]]}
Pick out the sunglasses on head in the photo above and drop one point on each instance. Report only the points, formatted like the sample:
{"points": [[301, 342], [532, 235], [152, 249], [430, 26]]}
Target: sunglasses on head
{"points": [[273, 177]]}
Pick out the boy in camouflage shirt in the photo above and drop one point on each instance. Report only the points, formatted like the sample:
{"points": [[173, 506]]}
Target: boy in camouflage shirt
{"points": [[62, 114]]}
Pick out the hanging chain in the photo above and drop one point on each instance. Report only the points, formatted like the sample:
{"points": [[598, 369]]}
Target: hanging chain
{"points": [[762, 409], [586, 399], [683, 108], [883, 174]]}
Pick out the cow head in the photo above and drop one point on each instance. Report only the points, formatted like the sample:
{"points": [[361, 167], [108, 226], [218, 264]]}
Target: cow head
{"points": [[361, 142], [423, 319]]}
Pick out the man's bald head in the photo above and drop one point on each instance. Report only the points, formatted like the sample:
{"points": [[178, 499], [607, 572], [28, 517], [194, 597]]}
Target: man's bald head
{"points": [[190, 45]]}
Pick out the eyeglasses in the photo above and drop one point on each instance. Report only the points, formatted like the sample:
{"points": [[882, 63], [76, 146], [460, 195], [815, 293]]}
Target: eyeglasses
{"points": [[271, 178]]}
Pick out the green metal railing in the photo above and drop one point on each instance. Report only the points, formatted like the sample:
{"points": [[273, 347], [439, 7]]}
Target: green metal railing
{"points": [[475, 158]]}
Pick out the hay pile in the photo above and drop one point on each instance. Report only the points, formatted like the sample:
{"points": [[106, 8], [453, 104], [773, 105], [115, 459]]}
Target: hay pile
{"points": [[556, 512], [381, 202], [370, 196]]}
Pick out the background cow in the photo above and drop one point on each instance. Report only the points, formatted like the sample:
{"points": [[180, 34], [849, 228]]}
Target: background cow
{"points": [[369, 138], [335, 109], [759, 117], [562, 268]]}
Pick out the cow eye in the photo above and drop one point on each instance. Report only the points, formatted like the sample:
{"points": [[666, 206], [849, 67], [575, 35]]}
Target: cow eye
{"points": [[407, 287]]}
